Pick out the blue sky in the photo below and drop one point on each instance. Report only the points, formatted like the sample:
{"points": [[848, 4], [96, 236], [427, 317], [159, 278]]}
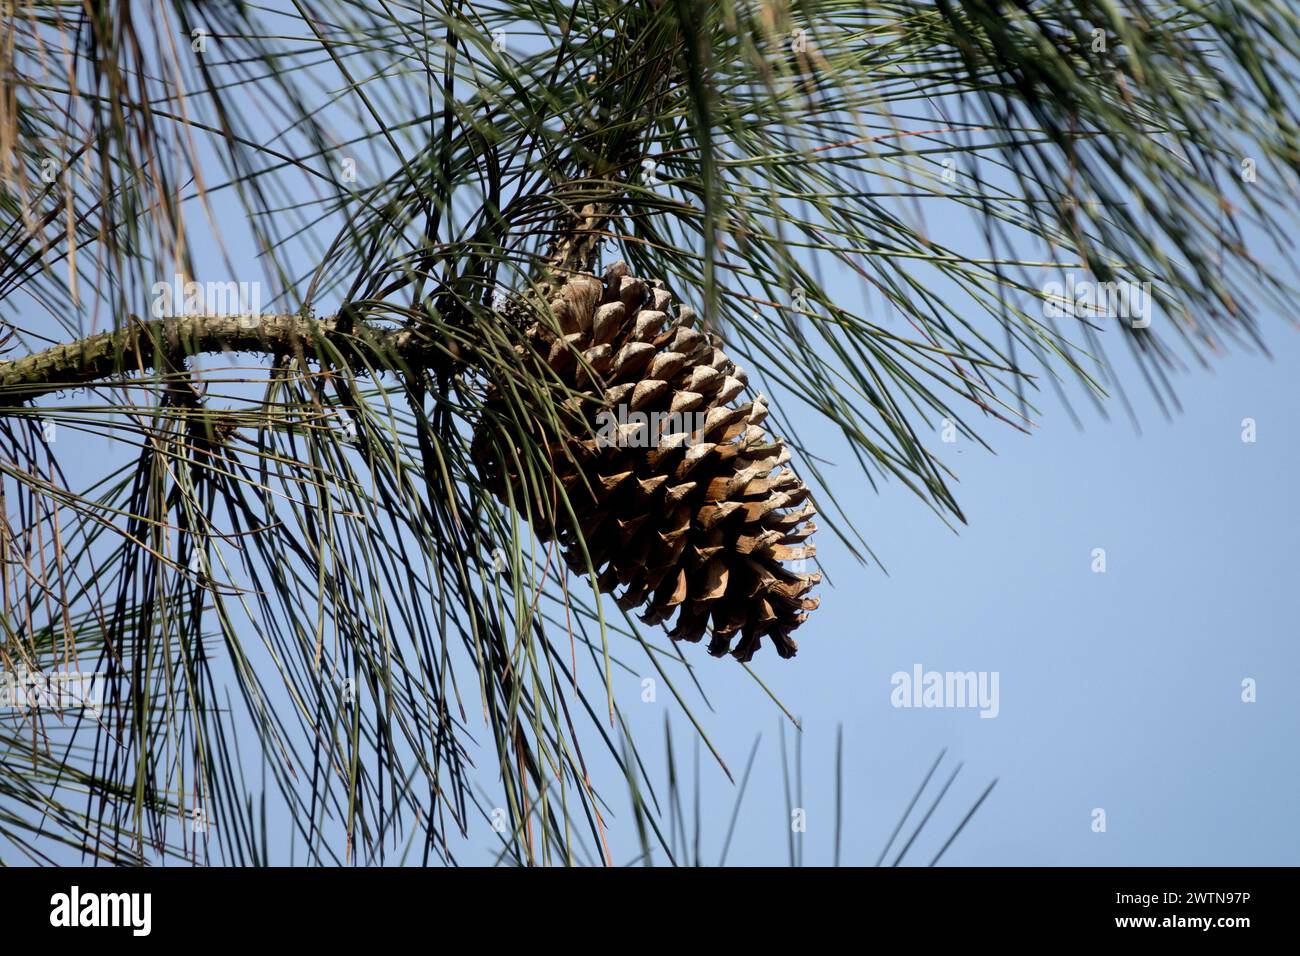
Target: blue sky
{"points": [[1119, 690]]}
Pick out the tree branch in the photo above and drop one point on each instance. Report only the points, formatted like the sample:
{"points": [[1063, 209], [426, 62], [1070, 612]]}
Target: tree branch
{"points": [[159, 344]]}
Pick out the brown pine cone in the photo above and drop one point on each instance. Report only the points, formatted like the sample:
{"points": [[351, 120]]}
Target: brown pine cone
{"points": [[683, 499]]}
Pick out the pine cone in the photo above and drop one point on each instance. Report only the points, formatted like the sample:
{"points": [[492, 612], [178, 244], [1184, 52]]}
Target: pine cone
{"points": [[683, 499]]}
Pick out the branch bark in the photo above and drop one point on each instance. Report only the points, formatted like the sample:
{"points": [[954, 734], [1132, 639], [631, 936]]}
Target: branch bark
{"points": [[158, 344]]}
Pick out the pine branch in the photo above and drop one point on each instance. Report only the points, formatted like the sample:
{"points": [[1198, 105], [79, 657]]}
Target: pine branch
{"points": [[158, 344]]}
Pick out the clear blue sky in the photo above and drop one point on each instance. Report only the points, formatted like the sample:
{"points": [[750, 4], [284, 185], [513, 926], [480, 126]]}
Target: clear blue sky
{"points": [[1119, 690]]}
